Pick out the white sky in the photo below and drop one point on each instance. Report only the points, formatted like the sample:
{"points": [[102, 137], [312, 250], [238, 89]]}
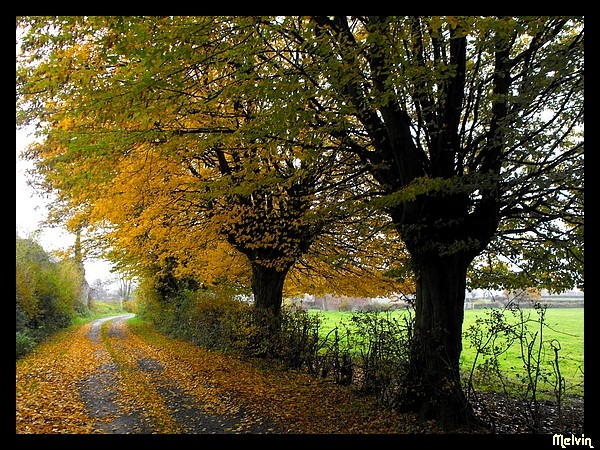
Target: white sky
{"points": [[31, 210]]}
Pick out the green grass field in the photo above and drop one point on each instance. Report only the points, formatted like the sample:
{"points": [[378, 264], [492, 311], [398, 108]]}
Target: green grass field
{"points": [[564, 325]]}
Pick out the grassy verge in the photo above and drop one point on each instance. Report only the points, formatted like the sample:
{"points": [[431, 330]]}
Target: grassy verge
{"points": [[98, 310], [564, 330]]}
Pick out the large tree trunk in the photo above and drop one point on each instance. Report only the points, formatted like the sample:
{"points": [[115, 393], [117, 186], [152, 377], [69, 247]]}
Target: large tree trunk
{"points": [[434, 389], [267, 287]]}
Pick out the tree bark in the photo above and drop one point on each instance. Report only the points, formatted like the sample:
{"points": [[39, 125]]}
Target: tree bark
{"points": [[267, 287], [433, 386]]}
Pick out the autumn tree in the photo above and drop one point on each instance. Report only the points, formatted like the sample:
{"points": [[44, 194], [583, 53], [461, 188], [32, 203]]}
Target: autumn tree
{"points": [[470, 127], [473, 129], [151, 131]]}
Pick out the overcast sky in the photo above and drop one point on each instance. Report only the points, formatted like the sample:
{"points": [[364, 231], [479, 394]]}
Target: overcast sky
{"points": [[31, 210]]}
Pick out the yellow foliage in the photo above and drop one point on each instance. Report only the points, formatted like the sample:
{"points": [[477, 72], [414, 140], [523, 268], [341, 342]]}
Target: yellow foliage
{"points": [[194, 176], [25, 291]]}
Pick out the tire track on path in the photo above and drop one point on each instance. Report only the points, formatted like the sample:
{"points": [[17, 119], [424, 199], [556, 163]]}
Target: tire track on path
{"points": [[112, 376], [99, 391], [132, 392]]}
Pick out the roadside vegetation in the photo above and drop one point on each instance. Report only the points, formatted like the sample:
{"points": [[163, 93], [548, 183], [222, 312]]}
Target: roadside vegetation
{"points": [[50, 296], [530, 356], [560, 326]]}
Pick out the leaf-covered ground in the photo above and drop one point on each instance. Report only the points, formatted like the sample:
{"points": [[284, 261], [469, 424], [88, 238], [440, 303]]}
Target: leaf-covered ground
{"points": [[104, 378], [110, 377]]}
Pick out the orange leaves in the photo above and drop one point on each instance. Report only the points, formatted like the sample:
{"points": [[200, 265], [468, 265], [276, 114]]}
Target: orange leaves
{"points": [[163, 385], [173, 158], [294, 401], [47, 398]]}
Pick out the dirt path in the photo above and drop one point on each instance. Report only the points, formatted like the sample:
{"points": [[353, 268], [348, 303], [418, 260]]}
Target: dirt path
{"points": [[114, 377], [126, 389], [99, 391], [170, 410]]}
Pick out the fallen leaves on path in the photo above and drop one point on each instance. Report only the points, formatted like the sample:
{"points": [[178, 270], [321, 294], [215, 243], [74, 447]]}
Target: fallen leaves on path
{"points": [[155, 377], [294, 401], [46, 390]]}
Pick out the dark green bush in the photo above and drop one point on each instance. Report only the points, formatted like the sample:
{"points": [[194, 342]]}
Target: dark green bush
{"points": [[212, 318], [25, 343], [218, 321], [382, 358]]}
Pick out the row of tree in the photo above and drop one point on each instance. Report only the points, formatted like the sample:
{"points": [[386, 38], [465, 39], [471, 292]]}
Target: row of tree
{"points": [[326, 153]]}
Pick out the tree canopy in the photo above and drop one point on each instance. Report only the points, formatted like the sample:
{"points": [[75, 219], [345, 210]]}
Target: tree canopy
{"points": [[453, 143], [166, 150]]}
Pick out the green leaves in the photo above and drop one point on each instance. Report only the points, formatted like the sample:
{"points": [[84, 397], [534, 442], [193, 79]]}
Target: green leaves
{"points": [[259, 129], [417, 187]]}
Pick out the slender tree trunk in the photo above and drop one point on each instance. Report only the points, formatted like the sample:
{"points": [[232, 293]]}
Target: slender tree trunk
{"points": [[434, 389]]}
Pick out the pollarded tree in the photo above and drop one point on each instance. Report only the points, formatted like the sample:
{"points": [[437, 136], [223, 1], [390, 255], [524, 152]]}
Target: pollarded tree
{"points": [[151, 131], [472, 127]]}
